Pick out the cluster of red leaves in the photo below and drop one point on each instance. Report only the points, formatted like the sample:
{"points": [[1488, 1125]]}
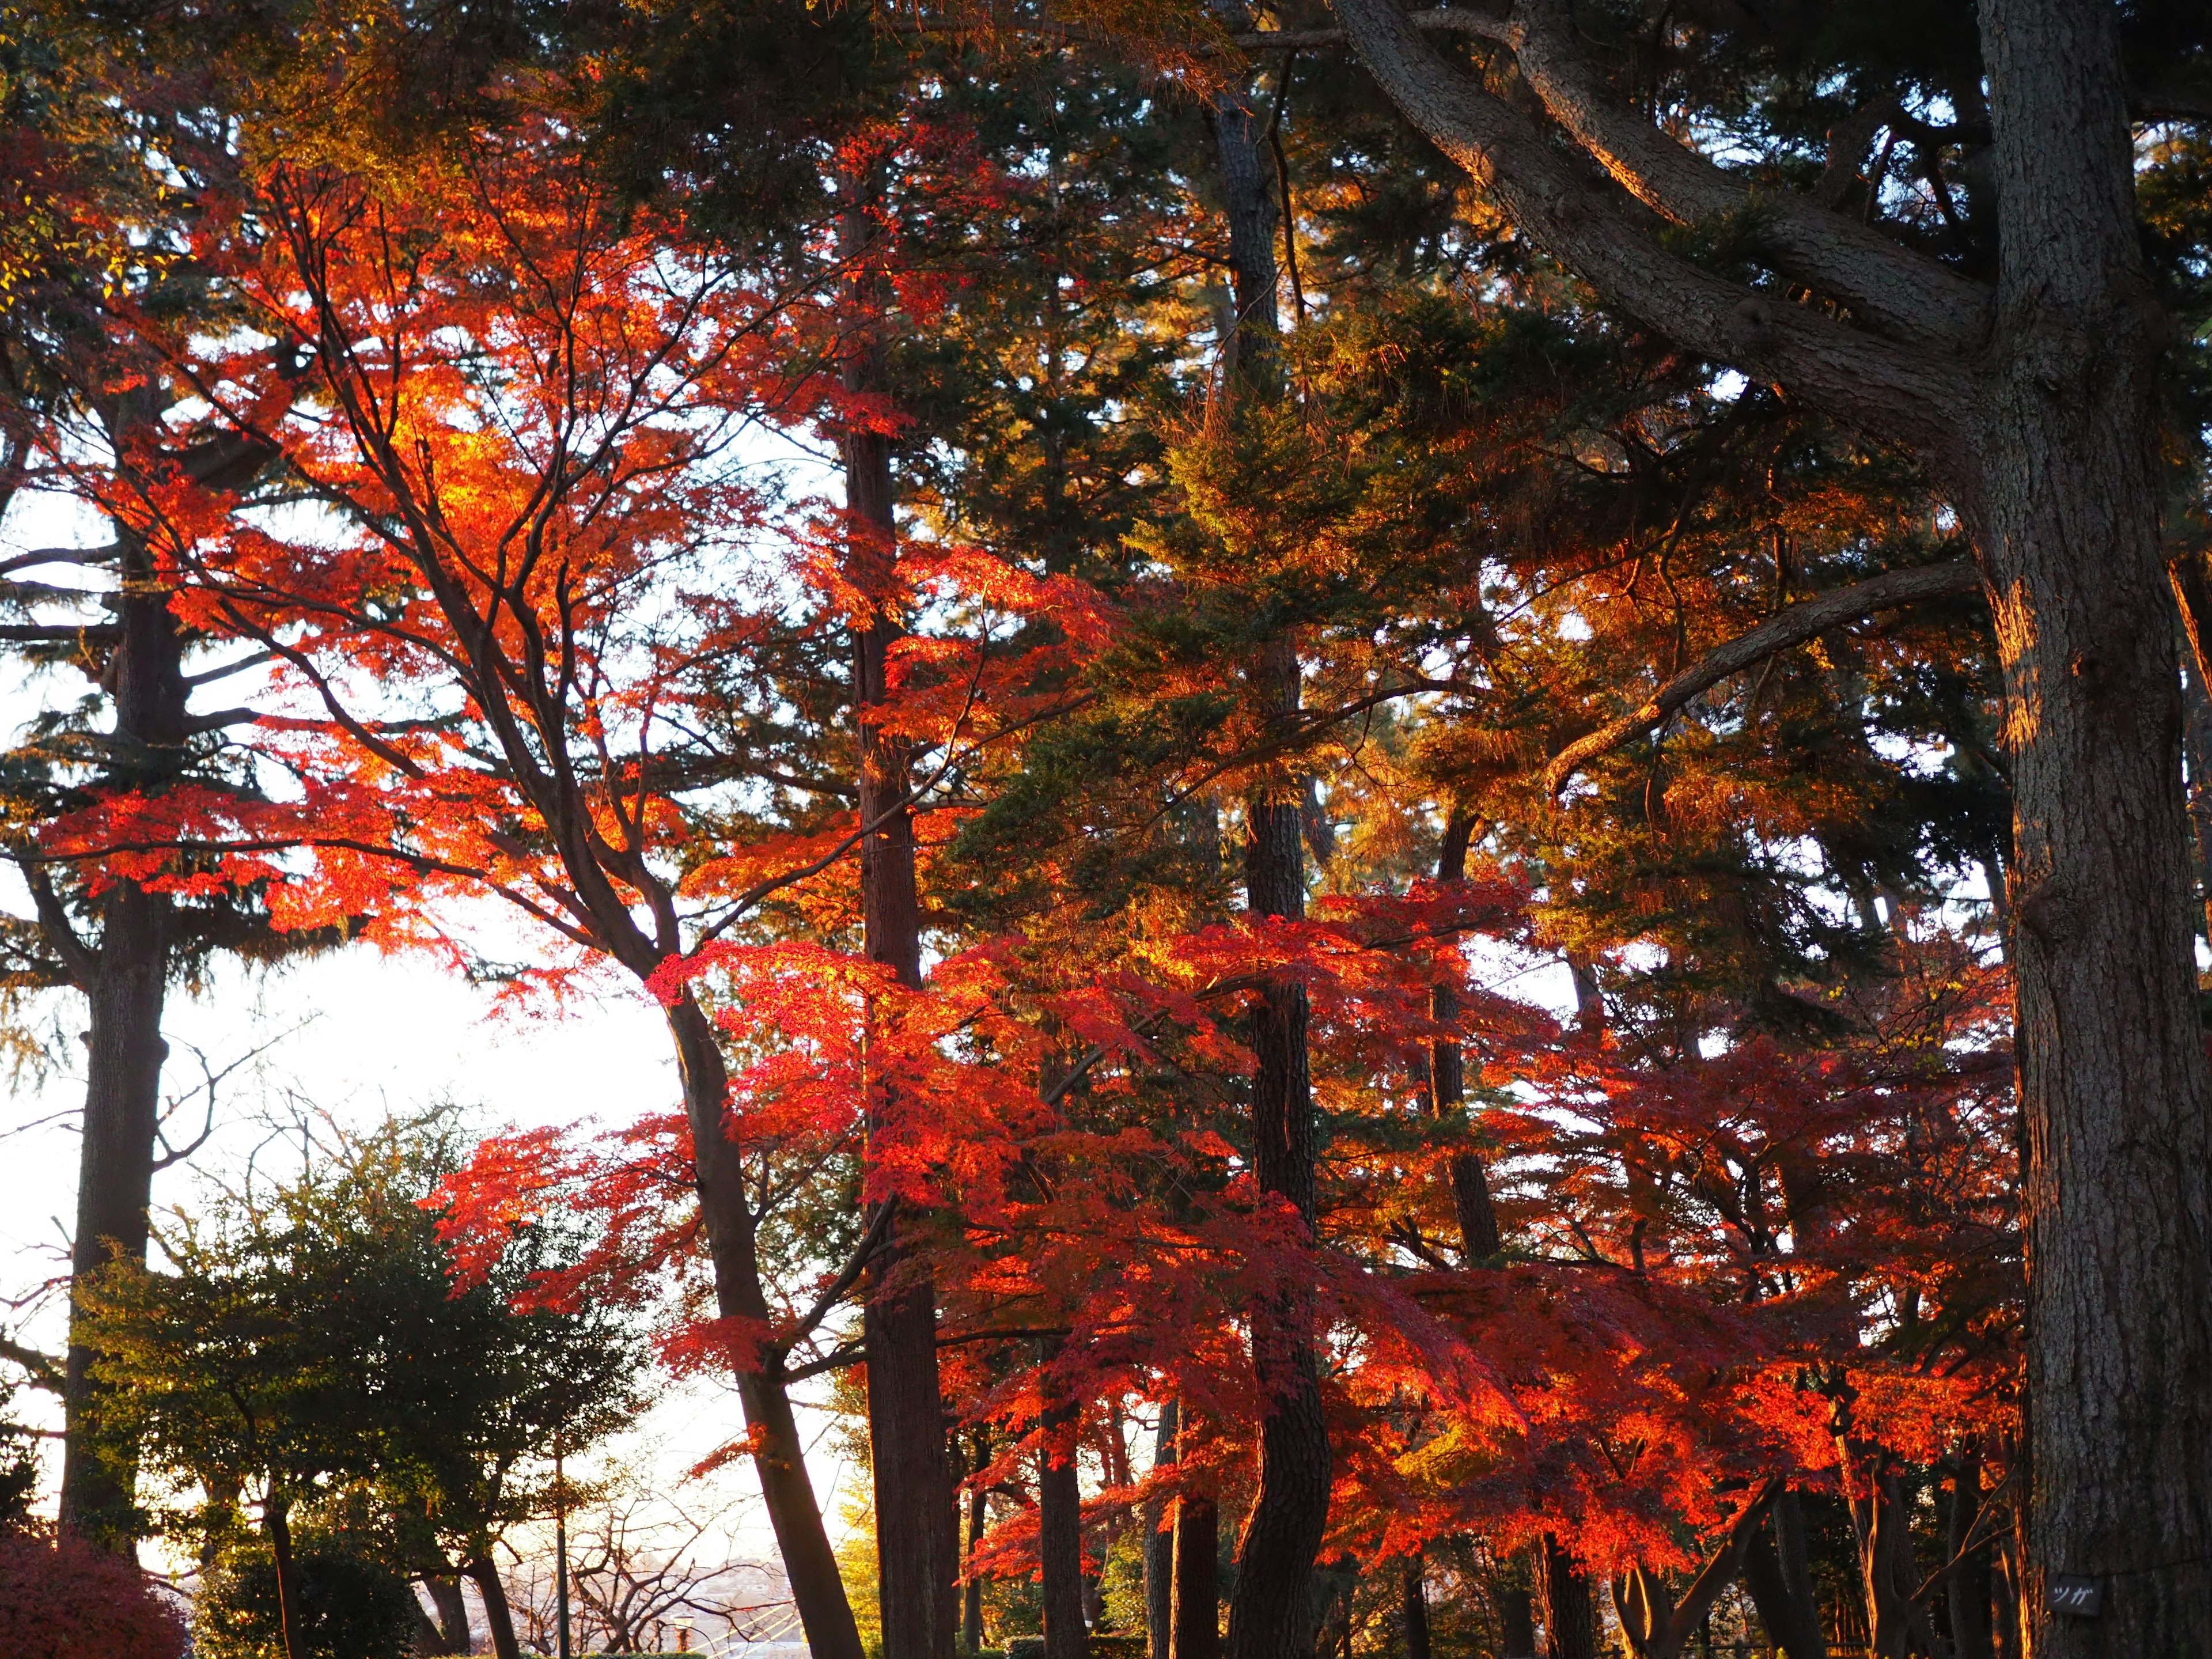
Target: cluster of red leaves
{"points": [[62, 1599]]}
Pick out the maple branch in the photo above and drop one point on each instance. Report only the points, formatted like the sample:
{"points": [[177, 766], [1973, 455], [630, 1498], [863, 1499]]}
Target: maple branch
{"points": [[1776, 633], [45, 1371]]}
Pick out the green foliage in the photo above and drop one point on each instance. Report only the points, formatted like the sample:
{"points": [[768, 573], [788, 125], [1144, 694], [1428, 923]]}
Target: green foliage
{"points": [[309, 1353], [348, 1603]]}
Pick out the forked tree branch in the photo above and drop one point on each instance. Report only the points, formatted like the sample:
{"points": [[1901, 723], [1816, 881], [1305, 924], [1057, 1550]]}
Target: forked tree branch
{"points": [[1607, 231], [1777, 633]]}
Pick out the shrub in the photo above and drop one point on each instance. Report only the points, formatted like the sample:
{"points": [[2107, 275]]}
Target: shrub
{"points": [[65, 1600]]}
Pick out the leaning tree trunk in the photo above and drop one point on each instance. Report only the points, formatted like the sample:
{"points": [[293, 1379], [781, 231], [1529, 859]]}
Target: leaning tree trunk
{"points": [[499, 1616], [126, 979], [2112, 1075], [916, 1529], [779, 1454]]}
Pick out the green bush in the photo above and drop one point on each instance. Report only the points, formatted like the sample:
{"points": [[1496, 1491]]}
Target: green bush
{"points": [[351, 1605]]}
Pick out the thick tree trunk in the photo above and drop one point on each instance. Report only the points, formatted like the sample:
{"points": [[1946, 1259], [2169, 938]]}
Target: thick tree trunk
{"points": [[1159, 1546], [2041, 418], [452, 1614], [1784, 1598], [1569, 1602], [1059, 1531], [1413, 1606], [499, 1616], [779, 1454], [2112, 1075]]}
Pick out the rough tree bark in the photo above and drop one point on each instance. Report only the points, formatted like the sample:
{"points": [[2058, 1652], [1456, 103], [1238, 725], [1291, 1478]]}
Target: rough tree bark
{"points": [[916, 1532], [2033, 401], [1569, 1602]]}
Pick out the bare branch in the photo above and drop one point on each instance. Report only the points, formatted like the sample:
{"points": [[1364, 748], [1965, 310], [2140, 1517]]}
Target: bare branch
{"points": [[45, 1371]]}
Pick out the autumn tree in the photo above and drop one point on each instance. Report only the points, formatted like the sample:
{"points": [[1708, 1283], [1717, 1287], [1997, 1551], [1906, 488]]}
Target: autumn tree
{"points": [[2011, 338]]}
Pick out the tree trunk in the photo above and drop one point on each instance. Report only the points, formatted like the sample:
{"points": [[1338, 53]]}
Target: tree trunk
{"points": [[1159, 1546], [1785, 1597], [2041, 418], [971, 1602], [2112, 1075], [1471, 1207], [1271, 1604], [1268, 1610], [1060, 1530], [1517, 1621], [452, 1614], [2197, 751], [1968, 1590], [916, 1531], [778, 1455], [499, 1618], [277, 1523], [1196, 1614], [125, 982], [1569, 1608], [115, 1183], [1413, 1607]]}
